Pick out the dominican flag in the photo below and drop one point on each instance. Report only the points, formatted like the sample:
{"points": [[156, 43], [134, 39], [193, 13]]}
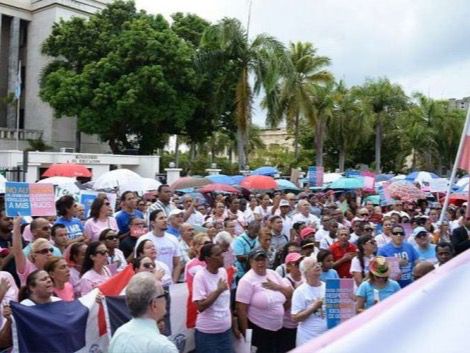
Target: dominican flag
{"points": [[464, 162], [66, 327]]}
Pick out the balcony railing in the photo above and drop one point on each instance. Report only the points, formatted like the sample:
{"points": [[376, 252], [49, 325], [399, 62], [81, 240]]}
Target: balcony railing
{"points": [[24, 134]]}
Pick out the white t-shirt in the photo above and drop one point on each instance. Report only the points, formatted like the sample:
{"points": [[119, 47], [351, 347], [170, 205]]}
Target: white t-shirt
{"points": [[310, 220], [167, 247], [320, 234], [29, 302], [196, 219], [327, 241], [356, 265], [382, 240], [287, 225], [304, 296], [264, 213]]}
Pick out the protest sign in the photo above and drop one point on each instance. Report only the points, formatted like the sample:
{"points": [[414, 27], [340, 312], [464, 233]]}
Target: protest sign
{"points": [[315, 176], [395, 272], [438, 185], [24, 199], [369, 181], [339, 300], [384, 193]]}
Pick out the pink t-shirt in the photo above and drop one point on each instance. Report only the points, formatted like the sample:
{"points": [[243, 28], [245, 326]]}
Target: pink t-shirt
{"points": [[288, 322], [28, 268], [265, 306], [192, 267], [66, 293], [10, 295], [75, 280], [216, 318], [93, 228], [92, 279]]}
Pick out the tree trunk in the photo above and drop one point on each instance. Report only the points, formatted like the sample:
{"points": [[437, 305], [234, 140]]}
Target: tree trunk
{"points": [[413, 163], [193, 151], [319, 134], [342, 159], [78, 138], [296, 137], [177, 151], [241, 149], [378, 144]]}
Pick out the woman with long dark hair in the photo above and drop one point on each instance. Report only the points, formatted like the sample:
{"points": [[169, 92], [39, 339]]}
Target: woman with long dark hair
{"points": [[367, 248], [100, 218], [94, 269]]}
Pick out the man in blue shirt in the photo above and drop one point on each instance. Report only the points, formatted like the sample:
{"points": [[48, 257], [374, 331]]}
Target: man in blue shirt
{"points": [[424, 248], [243, 244], [128, 210], [404, 251]]}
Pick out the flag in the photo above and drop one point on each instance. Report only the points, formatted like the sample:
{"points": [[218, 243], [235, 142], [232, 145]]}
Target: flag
{"points": [[464, 162]]}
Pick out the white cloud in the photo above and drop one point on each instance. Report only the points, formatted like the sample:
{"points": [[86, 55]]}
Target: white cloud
{"points": [[421, 44]]}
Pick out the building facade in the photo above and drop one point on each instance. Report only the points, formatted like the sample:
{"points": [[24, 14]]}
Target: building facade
{"points": [[24, 25], [461, 104]]}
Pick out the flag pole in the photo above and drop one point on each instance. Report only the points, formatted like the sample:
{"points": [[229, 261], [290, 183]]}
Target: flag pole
{"points": [[456, 164], [18, 96]]}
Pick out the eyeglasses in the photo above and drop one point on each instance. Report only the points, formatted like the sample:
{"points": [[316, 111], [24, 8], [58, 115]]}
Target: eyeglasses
{"points": [[111, 237], [398, 233], [45, 251], [164, 294], [148, 265], [102, 252]]}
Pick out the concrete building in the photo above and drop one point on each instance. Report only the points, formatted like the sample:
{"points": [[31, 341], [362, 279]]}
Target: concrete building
{"points": [[461, 104], [277, 137], [24, 25]]}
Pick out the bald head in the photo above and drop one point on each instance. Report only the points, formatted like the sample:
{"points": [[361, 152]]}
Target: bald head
{"points": [[421, 269]]}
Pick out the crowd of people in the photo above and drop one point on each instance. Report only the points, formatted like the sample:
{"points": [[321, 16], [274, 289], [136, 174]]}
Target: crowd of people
{"points": [[257, 262]]}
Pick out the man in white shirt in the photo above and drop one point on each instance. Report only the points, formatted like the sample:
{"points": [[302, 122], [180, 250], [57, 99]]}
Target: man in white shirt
{"points": [[191, 215], [304, 215], [166, 244]]}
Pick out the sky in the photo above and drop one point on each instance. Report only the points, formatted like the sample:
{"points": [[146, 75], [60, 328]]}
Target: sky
{"points": [[420, 44]]}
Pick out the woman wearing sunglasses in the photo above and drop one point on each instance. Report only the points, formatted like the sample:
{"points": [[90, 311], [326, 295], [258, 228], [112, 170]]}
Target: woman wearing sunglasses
{"points": [[100, 218], [147, 248], [116, 260], [94, 269], [41, 251]]}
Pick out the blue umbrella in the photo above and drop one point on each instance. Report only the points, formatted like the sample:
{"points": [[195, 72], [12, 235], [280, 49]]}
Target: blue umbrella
{"points": [[421, 176], [383, 177], [284, 184], [221, 179], [237, 179], [268, 171], [347, 183]]}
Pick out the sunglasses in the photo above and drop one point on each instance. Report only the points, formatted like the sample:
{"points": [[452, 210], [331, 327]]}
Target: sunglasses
{"points": [[398, 233], [102, 252], [44, 251], [111, 237], [164, 294], [148, 265]]}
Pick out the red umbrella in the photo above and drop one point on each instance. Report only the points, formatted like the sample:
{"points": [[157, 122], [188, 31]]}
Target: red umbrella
{"points": [[457, 198], [67, 170], [189, 182], [405, 191], [218, 188], [258, 182]]}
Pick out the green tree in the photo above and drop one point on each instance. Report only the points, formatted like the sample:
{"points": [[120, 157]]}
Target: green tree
{"points": [[226, 45], [124, 74], [386, 101]]}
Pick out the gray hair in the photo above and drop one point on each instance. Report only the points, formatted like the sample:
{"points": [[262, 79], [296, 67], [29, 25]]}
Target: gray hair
{"points": [[307, 263], [223, 238], [140, 292]]}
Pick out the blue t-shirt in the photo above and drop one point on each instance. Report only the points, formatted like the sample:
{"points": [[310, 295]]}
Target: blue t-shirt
{"points": [[330, 274], [74, 227], [241, 246], [122, 219], [404, 251], [172, 230], [366, 291], [428, 254]]}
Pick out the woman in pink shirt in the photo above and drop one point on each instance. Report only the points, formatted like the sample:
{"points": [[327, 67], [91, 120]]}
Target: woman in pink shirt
{"points": [[74, 255], [212, 297], [41, 251], [94, 271], [260, 299], [100, 218], [60, 275]]}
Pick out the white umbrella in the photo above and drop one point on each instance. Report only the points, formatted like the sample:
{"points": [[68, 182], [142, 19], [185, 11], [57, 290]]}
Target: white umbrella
{"points": [[57, 180], [115, 178], [331, 177], [140, 186], [463, 181], [150, 184]]}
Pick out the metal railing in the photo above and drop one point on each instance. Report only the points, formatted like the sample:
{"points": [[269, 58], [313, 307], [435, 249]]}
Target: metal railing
{"points": [[23, 134]]}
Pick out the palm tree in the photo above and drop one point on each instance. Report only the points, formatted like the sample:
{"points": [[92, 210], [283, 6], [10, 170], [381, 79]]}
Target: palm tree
{"points": [[350, 122], [385, 100], [303, 72], [227, 44]]}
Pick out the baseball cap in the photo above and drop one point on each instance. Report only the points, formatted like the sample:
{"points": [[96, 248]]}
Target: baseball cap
{"points": [[418, 230], [304, 233], [284, 203], [293, 257], [255, 254], [175, 212]]}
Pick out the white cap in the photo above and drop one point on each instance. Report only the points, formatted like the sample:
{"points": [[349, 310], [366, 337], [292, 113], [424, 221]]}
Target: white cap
{"points": [[175, 212], [284, 203]]}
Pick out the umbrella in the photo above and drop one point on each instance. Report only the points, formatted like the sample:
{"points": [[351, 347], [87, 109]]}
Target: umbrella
{"points": [[284, 184], [237, 179], [347, 183], [383, 177], [67, 170], [189, 182], [405, 191], [220, 188], [331, 177], [463, 181], [398, 177], [139, 185], [457, 198], [259, 182], [267, 171], [221, 179], [114, 178], [420, 177], [57, 180], [375, 199]]}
